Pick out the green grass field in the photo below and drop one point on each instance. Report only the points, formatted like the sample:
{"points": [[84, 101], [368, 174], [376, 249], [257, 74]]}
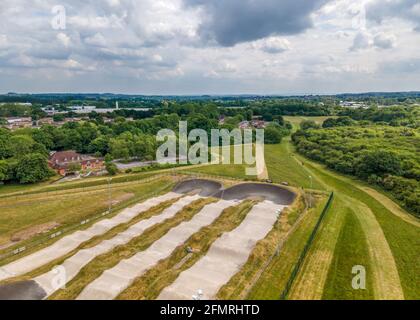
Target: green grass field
{"points": [[284, 167], [401, 236], [382, 236]]}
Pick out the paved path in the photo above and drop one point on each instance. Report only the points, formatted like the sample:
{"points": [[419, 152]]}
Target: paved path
{"points": [[115, 280], [74, 264], [226, 256], [71, 242]]}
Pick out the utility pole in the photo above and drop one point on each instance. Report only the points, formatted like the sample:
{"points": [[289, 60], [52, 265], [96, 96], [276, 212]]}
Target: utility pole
{"points": [[310, 195], [110, 195]]}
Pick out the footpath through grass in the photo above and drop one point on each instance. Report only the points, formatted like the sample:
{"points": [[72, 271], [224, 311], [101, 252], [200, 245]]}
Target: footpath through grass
{"points": [[284, 167]]}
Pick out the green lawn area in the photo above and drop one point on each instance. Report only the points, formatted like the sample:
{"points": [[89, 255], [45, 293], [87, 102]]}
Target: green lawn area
{"points": [[284, 167], [351, 250], [237, 171], [373, 219], [296, 121], [49, 186]]}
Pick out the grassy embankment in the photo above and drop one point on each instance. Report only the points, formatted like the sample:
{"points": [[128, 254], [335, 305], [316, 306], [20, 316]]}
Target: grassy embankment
{"points": [[387, 246], [25, 215], [360, 229]]}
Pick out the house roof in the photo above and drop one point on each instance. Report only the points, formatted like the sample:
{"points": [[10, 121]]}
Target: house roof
{"points": [[68, 156]]}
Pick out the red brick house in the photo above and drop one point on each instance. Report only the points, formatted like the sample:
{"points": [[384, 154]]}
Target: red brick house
{"points": [[61, 161]]}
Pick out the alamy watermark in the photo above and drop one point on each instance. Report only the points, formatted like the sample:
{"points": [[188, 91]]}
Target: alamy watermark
{"points": [[197, 147], [359, 280], [59, 20]]}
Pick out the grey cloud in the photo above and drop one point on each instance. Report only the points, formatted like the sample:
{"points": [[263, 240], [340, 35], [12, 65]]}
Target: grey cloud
{"points": [[408, 66], [409, 10], [362, 40], [231, 22], [384, 41]]}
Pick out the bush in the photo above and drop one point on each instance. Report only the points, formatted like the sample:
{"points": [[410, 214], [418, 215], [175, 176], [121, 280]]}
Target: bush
{"points": [[111, 168]]}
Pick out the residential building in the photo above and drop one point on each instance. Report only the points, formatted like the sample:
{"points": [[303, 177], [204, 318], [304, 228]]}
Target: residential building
{"points": [[61, 162], [18, 123]]}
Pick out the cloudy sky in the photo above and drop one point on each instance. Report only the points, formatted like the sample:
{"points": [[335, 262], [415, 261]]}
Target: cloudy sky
{"points": [[209, 46]]}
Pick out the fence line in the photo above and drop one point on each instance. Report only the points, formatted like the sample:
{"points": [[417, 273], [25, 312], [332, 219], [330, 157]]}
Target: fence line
{"points": [[86, 221], [305, 250], [96, 217]]}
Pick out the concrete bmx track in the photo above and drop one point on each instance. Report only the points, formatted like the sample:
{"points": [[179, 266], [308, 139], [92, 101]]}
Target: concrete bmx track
{"points": [[228, 253], [226, 256]]}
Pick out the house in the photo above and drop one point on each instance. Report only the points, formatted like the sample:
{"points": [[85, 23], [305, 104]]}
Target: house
{"points": [[45, 121], [259, 124], [63, 161], [244, 125], [18, 123]]}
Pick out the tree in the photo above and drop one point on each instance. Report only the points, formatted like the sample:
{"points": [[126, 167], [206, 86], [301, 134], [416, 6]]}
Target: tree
{"points": [[21, 145], [111, 168], [5, 146], [309, 124], [380, 163], [119, 148], [4, 170], [272, 136], [100, 145], [74, 167], [32, 168]]}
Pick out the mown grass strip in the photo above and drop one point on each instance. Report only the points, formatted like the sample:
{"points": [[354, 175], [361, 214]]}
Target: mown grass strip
{"points": [[351, 250], [402, 237]]}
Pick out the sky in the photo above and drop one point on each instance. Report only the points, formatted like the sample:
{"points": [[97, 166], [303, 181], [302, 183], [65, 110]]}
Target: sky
{"points": [[167, 47]]}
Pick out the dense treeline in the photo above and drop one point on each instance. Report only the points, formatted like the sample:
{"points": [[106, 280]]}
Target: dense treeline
{"points": [[396, 116], [27, 149], [381, 155]]}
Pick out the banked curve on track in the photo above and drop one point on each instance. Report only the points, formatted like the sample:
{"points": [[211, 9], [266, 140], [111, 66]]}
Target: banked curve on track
{"points": [[115, 280]]}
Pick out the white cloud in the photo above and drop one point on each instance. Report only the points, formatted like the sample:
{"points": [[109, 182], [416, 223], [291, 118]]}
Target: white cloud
{"points": [[178, 46], [64, 39], [273, 45]]}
